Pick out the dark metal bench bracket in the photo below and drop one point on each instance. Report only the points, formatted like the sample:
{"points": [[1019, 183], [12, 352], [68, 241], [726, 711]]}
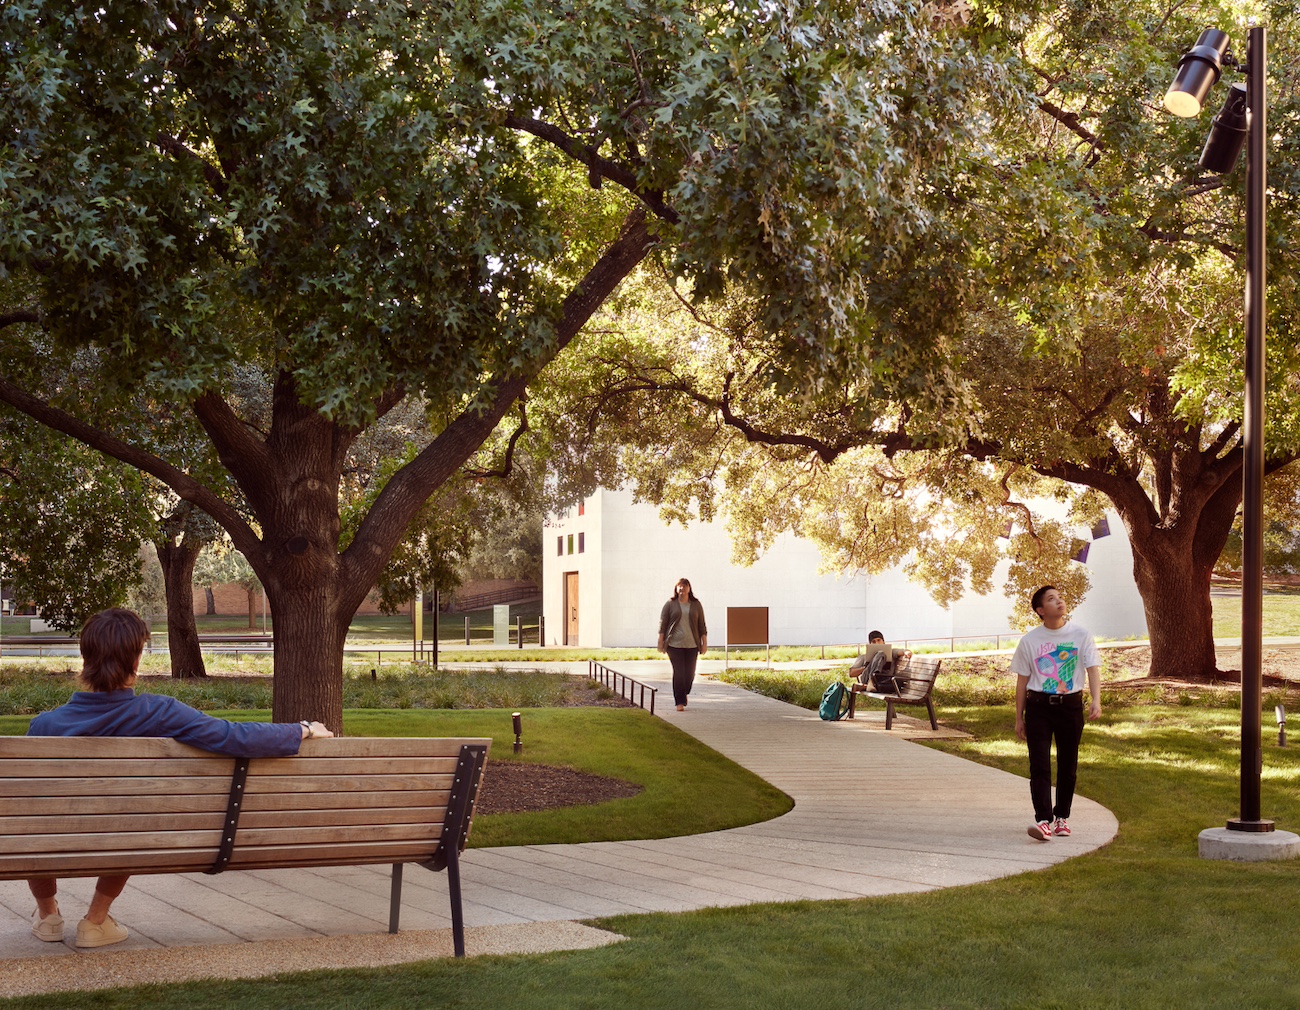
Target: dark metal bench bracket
{"points": [[230, 825], [455, 833]]}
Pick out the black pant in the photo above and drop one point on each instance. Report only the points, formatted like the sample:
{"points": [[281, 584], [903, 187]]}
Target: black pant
{"points": [[1043, 721], [683, 661]]}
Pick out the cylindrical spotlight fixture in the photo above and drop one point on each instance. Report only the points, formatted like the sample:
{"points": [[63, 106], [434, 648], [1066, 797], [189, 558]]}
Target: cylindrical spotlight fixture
{"points": [[518, 721], [1228, 134], [1197, 71]]}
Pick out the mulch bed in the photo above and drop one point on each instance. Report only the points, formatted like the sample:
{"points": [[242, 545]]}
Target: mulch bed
{"points": [[516, 787]]}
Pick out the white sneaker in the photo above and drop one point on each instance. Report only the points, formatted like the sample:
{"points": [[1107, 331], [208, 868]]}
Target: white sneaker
{"points": [[49, 928], [1042, 831], [91, 935]]}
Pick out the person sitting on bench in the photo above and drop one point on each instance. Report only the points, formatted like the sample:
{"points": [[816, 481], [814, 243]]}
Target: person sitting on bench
{"points": [[112, 642], [873, 666]]}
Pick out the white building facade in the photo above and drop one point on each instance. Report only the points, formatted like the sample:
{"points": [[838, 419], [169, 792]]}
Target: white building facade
{"points": [[611, 563]]}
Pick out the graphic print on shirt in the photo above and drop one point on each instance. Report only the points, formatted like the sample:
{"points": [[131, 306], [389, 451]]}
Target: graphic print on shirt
{"points": [[1057, 664]]}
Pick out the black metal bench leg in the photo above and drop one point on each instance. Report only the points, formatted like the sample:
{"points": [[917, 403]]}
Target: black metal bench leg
{"points": [[929, 705], [453, 889], [889, 715], [395, 899]]}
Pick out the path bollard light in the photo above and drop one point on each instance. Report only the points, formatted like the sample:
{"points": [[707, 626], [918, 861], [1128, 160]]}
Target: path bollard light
{"points": [[1280, 712], [373, 675], [518, 721]]}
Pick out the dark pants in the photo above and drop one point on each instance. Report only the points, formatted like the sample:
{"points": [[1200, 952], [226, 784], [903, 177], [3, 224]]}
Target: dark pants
{"points": [[1043, 721], [683, 661]]}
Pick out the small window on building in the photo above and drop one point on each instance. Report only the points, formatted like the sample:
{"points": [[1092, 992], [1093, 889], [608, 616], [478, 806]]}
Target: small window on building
{"points": [[582, 508], [559, 546], [582, 542], [570, 543]]}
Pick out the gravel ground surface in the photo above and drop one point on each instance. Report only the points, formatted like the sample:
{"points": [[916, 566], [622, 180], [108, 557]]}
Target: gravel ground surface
{"points": [[112, 970]]}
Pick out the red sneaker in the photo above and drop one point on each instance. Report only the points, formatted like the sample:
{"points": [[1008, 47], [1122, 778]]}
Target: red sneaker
{"points": [[1061, 827]]}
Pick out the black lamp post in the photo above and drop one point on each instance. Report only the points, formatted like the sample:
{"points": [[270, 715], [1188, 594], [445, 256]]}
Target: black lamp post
{"points": [[1243, 119]]}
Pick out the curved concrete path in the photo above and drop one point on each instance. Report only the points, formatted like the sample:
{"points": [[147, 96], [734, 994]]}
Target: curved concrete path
{"points": [[874, 814]]}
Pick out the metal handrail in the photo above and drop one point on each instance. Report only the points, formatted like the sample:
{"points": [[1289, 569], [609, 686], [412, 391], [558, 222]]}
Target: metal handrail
{"points": [[622, 683]]}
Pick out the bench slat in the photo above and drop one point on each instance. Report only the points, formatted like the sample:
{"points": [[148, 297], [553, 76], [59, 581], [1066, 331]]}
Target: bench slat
{"points": [[211, 837], [161, 747], [106, 786], [94, 864], [82, 767], [185, 785], [205, 803], [68, 824]]}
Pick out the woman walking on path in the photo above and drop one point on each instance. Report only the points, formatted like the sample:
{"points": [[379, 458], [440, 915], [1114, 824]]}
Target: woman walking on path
{"points": [[111, 644], [684, 636]]}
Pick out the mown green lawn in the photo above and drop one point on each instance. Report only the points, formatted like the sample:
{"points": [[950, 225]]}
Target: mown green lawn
{"points": [[1281, 615], [1142, 923]]}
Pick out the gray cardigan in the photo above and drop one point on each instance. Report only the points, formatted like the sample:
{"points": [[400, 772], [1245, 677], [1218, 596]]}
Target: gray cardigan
{"points": [[672, 613]]}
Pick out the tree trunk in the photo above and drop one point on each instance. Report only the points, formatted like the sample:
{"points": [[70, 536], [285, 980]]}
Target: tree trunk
{"points": [[1176, 599], [177, 562], [212, 601], [252, 609], [310, 628]]}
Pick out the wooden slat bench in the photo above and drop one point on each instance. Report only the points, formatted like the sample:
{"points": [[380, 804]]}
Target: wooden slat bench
{"points": [[915, 678], [86, 806]]}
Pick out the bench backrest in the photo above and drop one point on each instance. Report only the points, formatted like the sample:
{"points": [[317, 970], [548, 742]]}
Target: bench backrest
{"points": [[83, 806], [915, 677]]}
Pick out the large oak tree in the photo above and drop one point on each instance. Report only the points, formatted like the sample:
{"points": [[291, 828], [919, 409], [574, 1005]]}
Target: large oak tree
{"points": [[374, 200], [1101, 347]]}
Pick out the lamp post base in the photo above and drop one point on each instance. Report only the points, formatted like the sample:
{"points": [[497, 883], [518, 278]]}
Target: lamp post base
{"points": [[1259, 827], [1248, 846]]}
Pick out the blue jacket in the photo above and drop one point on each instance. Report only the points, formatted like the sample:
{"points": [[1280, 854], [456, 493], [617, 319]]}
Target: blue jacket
{"points": [[125, 713]]}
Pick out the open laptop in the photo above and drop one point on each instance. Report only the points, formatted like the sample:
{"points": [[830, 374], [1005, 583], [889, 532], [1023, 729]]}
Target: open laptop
{"points": [[872, 648]]}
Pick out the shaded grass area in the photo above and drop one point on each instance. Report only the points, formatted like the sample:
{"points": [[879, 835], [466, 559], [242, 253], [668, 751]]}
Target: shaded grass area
{"points": [[687, 787], [30, 688], [1142, 924]]}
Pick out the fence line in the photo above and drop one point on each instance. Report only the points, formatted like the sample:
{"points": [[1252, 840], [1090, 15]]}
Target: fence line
{"points": [[623, 684]]}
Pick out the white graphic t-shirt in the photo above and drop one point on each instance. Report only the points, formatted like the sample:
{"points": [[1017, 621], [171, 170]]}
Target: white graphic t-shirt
{"points": [[1056, 662]]}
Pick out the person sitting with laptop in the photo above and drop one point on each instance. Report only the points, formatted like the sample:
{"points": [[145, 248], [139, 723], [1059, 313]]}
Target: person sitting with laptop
{"points": [[877, 665]]}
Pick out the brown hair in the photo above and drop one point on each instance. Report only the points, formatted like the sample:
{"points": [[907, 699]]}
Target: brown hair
{"points": [[111, 642]]}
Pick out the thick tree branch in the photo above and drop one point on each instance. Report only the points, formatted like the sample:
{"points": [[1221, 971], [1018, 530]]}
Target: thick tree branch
{"points": [[597, 166], [507, 464], [240, 450], [1174, 238], [1071, 121], [18, 316], [182, 483], [386, 521], [1228, 433], [171, 145]]}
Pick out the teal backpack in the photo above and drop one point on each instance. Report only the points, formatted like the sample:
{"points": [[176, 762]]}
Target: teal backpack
{"points": [[835, 702]]}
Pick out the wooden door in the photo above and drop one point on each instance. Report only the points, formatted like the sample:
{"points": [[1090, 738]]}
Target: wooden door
{"points": [[570, 608]]}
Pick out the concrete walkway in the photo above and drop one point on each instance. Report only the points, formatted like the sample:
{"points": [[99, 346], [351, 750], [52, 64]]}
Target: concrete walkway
{"points": [[874, 815]]}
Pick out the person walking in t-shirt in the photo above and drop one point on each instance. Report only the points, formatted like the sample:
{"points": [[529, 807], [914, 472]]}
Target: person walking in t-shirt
{"points": [[1049, 664]]}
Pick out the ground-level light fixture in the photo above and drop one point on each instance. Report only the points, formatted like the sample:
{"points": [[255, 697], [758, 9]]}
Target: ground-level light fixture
{"points": [[1280, 712]]}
